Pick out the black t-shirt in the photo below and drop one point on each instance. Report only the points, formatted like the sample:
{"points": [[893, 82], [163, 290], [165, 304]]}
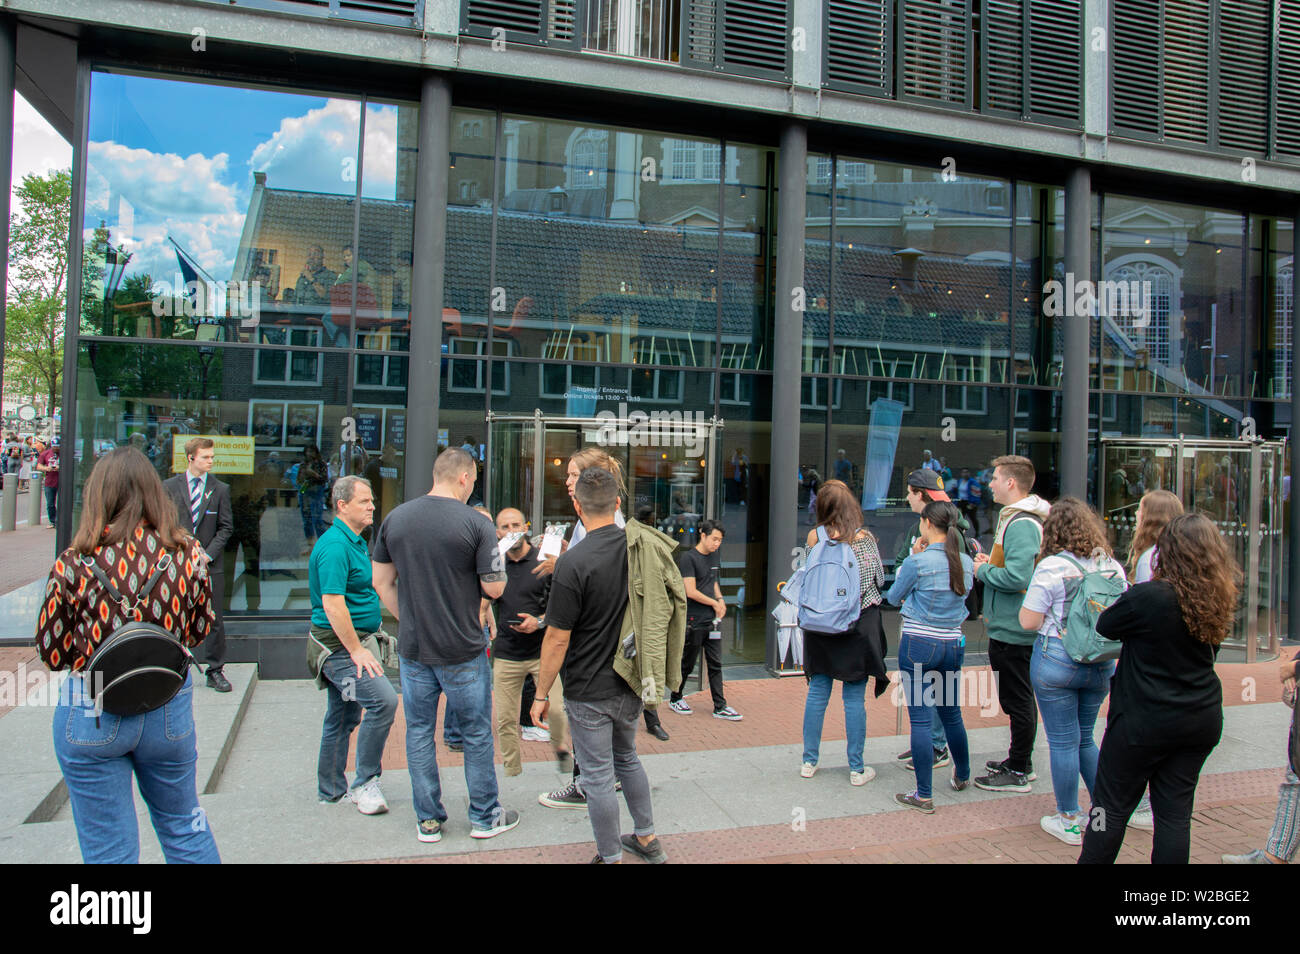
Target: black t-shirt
{"points": [[441, 548], [589, 597], [525, 593], [705, 570], [1165, 691]]}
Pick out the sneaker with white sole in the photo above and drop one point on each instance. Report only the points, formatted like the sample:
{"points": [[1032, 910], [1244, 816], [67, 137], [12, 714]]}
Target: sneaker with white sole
{"points": [[1067, 831], [807, 770], [863, 777], [1144, 820], [568, 797], [958, 785], [369, 798], [915, 801], [680, 706], [941, 758], [532, 733], [1004, 780], [995, 766], [728, 713], [429, 830], [505, 820]]}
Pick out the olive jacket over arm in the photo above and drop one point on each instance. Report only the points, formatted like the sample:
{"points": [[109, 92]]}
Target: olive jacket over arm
{"points": [[656, 614]]}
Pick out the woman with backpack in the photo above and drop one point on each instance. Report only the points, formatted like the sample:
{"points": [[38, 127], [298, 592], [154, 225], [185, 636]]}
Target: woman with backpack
{"points": [[1069, 692], [1166, 701], [931, 585], [129, 534], [851, 656]]}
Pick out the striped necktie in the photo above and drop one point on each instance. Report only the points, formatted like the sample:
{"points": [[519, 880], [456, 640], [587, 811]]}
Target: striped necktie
{"points": [[196, 500]]}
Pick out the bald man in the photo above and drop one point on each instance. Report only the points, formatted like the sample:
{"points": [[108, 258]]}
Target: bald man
{"points": [[517, 649]]}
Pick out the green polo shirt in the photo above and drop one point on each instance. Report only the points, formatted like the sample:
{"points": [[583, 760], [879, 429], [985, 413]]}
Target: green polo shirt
{"points": [[340, 565]]}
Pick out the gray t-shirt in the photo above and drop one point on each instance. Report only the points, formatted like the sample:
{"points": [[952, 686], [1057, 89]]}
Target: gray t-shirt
{"points": [[441, 548]]}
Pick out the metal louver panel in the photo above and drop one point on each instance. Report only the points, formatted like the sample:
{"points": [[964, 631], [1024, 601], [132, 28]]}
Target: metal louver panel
{"points": [[701, 33], [935, 51], [1187, 71], [755, 36], [561, 25], [1055, 78], [1135, 66], [1002, 32], [1287, 94], [521, 19], [859, 46], [395, 7], [1244, 30]]}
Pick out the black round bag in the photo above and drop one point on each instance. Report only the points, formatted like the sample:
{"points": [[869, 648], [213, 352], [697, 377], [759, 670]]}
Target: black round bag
{"points": [[140, 666]]}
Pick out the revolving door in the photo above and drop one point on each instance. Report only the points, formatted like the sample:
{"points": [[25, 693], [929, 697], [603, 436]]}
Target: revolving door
{"points": [[1238, 485]]}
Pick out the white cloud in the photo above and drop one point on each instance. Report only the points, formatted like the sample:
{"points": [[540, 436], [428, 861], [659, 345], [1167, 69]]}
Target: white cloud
{"points": [[38, 149], [315, 152]]}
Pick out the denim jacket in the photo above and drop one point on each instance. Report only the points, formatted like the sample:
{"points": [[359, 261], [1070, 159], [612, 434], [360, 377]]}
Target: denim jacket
{"points": [[921, 586]]}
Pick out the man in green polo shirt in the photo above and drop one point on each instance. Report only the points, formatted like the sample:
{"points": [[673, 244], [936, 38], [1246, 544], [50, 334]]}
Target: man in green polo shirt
{"points": [[344, 651]]}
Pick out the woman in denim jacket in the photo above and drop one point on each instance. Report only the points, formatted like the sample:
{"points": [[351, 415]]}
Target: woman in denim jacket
{"points": [[931, 585]]}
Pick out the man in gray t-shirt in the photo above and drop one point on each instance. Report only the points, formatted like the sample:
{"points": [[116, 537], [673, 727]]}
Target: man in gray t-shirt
{"points": [[445, 557]]}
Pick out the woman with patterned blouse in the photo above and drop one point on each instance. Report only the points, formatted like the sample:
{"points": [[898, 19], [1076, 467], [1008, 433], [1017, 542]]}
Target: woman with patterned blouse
{"points": [[852, 656], [129, 527]]}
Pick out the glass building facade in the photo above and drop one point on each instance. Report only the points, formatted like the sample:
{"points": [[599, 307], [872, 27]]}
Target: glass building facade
{"points": [[251, 277]]}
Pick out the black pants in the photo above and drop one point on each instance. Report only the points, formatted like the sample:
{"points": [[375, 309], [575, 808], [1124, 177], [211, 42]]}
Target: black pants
{"points": [[1123, 771], [214, 646], [526, 702], [1016, 696], [697, 637]]}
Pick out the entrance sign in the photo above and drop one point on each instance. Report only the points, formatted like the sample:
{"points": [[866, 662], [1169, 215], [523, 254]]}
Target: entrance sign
{"points": [[234, 454]]}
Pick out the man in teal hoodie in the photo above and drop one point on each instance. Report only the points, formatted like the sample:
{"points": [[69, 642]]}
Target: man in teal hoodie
{"points": [[1006, 572]]}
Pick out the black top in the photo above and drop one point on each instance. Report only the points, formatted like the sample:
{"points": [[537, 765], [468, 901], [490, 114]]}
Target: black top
{"points": [[441, 548], [851, 656], [525, 593], [589, 597], [705, 570], [1165, 691]]}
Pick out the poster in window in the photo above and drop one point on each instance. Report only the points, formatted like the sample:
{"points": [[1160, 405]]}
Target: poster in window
{"points": [[397, 430], [266, 423], [302, 424], [369, 429]]}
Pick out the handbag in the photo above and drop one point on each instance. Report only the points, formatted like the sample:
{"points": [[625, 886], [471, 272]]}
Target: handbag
{"points": [[140, 666]]}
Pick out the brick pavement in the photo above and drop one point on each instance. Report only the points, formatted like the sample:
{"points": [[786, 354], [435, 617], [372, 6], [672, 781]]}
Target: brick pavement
{"points": [[25, 554]]}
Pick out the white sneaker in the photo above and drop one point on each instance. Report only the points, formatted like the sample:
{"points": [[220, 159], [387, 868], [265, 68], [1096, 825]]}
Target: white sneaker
{"points": [[1057, 827], [807, 770], [369, 798], [532, 733], [1144, 820], [863, 777]]}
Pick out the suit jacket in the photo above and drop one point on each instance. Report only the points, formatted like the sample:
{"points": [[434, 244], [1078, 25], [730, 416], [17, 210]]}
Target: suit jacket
{"points": [[215, 520]]}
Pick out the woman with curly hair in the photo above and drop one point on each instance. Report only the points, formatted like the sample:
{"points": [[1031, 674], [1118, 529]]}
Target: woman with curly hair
{"points": [[1155, 511], [1166, 704], [1069, 693]]}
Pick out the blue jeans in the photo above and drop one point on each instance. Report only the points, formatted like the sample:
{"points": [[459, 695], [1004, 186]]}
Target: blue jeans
{"points": [[930, 673], [1069, 695], [311, 501], [347, 696], [52, 503], [450, 728], [855, 718], [99, 754], [468, 687]]}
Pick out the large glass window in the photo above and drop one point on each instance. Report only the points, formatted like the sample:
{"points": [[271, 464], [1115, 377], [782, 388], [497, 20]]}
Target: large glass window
{"points": [[242, 227]]}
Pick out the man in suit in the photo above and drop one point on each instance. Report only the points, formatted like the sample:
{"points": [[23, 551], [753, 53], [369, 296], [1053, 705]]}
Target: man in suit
{"points": [[204, 506]]}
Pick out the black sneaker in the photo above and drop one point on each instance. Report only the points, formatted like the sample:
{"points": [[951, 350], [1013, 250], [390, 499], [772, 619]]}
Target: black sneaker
{"points": [[568, 797], [1004, 780], [217, 680], [652, 853], [941, 758], [995, 766], [456, 746]]}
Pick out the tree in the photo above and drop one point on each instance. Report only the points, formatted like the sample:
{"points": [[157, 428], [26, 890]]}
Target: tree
{"points": [[36, 298]]}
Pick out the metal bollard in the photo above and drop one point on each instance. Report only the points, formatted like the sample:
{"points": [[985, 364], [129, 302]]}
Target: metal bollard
{"points": [[9, 503], [35, 500]]}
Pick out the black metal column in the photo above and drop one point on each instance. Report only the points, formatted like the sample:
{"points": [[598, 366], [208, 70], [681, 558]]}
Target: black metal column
{"points": [[8, 52], [1078, 329], [427, 284], [1293, 530], [786, 352]]}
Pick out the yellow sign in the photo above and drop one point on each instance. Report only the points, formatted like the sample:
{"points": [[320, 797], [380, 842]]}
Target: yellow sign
{"points": [[234, 454]]}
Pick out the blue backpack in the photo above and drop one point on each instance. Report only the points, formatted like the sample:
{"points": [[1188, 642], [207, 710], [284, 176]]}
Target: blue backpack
{"points": [[830, 590]]}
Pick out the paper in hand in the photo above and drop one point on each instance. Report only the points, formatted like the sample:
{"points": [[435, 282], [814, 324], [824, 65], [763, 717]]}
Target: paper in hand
{"points": [[552, 543], [509, 542]]}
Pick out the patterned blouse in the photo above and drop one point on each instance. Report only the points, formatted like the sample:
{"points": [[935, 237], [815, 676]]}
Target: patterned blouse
{"points": [[77, 614], [871, 571]]}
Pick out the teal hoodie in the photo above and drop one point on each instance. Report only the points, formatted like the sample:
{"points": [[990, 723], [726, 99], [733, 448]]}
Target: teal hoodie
{"points": [[1011, 565]]}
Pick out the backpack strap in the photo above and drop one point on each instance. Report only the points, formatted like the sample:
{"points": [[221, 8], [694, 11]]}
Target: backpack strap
{"points": [[128, 607], [822, 535]]}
